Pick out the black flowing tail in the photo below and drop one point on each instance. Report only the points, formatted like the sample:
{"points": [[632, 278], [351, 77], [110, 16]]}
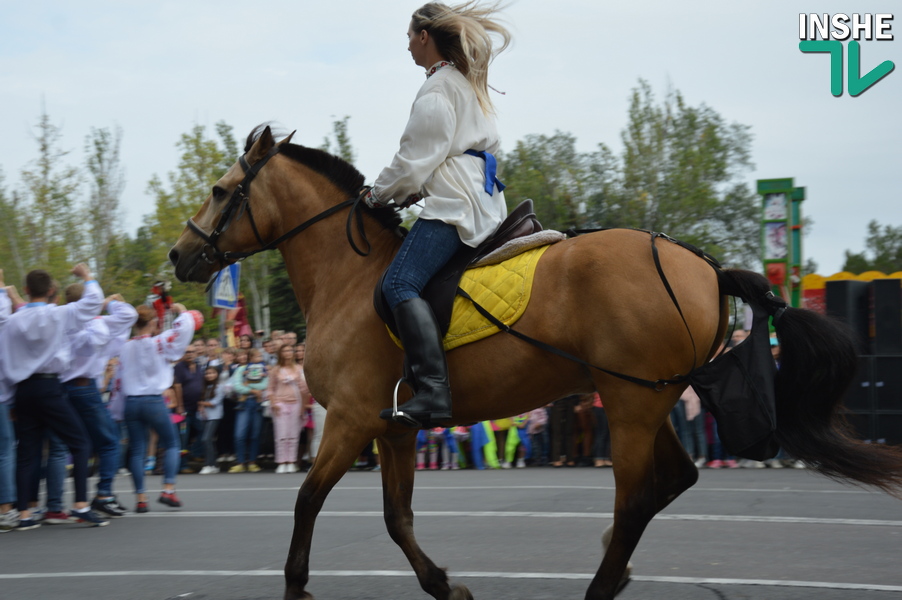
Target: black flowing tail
{"points": [[818, 362]]}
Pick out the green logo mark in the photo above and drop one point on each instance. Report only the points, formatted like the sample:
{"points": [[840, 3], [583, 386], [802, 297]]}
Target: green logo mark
{"points": [[857, 84]]}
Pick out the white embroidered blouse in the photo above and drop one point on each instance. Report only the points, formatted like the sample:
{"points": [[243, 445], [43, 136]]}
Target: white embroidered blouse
{"points": [[446, 121]]}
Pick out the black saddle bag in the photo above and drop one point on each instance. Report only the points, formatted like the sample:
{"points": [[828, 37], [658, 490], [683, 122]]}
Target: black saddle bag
{"points": [[737, 388]]}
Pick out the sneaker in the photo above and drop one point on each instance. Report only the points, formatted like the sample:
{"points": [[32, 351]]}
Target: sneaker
{"points": [[37, 514], [282, 469], [747, 463], [700, 463], [58, 517], [209, 470], [253, 468], [291, 468], [237, 469], [150, 463], [521, 463], [169, 499], [91, 518], [107, 507], [797, 464], [505, 465], [142, 508], [716, 464], [773, 463], [731, 464], [9, 520], [26, 524]]}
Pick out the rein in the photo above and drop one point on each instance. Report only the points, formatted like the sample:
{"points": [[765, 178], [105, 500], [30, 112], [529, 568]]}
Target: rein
{"points": [[239, 203]]}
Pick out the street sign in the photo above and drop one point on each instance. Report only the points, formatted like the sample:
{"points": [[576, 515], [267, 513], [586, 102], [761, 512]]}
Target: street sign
{"points": [[224, 293]]}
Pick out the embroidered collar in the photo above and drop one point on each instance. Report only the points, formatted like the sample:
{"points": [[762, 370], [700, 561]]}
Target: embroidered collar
{"points": [[141, 337], [437, 66]]}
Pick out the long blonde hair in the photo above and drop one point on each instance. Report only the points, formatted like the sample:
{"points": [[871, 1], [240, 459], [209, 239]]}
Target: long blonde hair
{"points": [[462, 34]]}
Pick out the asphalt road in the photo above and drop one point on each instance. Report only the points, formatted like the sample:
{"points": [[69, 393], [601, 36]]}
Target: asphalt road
{"points": [[520, 534]]}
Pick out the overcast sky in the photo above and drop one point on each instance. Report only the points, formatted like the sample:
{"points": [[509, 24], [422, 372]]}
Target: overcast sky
{"points": [[158, 68]]}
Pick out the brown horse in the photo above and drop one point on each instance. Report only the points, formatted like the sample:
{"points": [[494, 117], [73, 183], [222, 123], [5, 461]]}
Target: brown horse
{"points": [[598, 297]]}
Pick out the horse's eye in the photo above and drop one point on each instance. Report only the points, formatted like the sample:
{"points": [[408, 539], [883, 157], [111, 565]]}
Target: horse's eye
{"points": [[218, 193]]}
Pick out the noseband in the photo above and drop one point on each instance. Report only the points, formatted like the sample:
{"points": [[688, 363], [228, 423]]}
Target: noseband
{"points": [[239, 203]]}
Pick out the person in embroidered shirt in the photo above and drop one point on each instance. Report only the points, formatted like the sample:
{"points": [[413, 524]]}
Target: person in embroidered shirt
{"points": [[92, 348], [446, 162], [145, 372], [33, 352]]}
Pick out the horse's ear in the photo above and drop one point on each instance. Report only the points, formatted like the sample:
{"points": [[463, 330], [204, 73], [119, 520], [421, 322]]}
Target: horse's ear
{"points": [[263, 145], [288, 137]]}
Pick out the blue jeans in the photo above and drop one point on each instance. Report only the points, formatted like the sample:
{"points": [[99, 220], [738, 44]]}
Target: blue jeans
{"points": [[191, 432], [142, 412], [426, 249], [248, 423], [102, 430], [7, 457], [54, 473]]}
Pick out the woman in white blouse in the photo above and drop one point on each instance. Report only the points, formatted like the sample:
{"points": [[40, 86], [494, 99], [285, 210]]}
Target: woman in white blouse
{"points": [[446, 162]]}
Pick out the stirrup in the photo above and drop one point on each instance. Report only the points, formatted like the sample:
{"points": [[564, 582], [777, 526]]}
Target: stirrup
{"points": [[399, 416]]}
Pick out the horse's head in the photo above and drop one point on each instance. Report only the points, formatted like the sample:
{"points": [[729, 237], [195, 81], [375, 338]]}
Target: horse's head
{"points": [[219, 234]]}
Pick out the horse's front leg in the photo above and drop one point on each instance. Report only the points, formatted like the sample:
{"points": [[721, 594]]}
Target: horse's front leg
{"points": [[397, 453], [341, 446]]}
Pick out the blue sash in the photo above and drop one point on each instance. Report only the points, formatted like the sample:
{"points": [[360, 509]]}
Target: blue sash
{"points": [[491, 171]]}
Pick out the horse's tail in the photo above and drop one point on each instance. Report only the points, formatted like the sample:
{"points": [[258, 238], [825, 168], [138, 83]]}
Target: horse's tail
{"points": [[818, 362]]}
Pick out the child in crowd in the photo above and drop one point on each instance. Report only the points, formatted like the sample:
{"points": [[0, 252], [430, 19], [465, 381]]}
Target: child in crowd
{"points": [[210, 408], [249, 382]]}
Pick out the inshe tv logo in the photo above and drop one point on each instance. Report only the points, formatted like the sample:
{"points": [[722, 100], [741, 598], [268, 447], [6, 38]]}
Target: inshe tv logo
{"points": [[833, 32]]}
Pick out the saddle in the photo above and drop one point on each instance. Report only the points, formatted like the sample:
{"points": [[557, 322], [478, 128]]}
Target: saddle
{"points": [[442, 288]]}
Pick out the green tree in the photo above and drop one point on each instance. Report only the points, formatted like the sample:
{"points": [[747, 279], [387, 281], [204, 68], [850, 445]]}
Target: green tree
{"points": [[11, 258], [49, 216], [107, 180], [202, 162], [682, 173], [550, 171], [883, 251]]}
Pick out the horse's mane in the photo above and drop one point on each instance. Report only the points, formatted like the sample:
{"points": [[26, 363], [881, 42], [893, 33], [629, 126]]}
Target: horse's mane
{"points": [[340, 172]]}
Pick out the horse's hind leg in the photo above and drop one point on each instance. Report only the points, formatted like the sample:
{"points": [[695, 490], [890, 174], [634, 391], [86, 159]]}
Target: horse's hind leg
{"points": [[651, 469], [397, 457], [339, 450]]}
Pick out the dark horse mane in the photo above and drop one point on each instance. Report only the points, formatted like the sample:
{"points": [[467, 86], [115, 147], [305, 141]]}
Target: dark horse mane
{"points": [[340, 172]]}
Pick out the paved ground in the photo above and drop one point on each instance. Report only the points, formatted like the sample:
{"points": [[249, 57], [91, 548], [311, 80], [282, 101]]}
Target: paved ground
{"points": [[521, 534]]}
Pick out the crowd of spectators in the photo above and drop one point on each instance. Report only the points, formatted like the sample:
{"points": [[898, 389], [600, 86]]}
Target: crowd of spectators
{"points": [[147, 401]]}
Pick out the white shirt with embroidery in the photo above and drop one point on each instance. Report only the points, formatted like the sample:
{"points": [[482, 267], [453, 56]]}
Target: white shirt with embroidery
{"points": [[99, 341], [34, 338], [145, 363], [446, 121]]}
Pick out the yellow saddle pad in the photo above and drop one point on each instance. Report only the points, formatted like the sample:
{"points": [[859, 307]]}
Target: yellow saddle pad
{"points": [[501, 289]]}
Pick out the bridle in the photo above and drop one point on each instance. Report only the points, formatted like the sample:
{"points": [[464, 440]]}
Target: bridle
{"points": [[239, 203]]}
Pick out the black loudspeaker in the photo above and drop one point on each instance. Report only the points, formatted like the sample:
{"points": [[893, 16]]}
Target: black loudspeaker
{"points": [[889, 429], [859, 396], [887, 382], [862, 425], [887, 302], [849, 301]]}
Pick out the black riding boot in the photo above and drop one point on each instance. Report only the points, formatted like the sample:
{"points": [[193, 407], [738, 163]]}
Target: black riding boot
{"points": [[427, 372]]}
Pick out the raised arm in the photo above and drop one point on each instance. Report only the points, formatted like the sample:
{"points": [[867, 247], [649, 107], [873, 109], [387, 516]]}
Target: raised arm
{"points": [[79, 313], [172, 343]]}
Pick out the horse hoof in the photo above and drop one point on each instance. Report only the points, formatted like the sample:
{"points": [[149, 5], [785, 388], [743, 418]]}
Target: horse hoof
{"points": [[460, 592], [298, 596]]}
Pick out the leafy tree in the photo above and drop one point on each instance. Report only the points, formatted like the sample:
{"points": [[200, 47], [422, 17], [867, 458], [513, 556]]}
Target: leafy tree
{"points": [[203, 161], [883, 251], [48, 207], [11, 257], [549, 170], [106, 183], [682, 170]]}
